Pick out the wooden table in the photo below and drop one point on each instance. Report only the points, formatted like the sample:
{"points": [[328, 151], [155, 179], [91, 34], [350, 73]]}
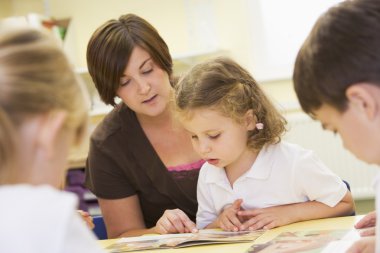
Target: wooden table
{"points": [[321, 224]]}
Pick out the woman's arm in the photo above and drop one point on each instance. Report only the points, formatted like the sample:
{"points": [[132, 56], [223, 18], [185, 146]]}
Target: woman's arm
{"points": [[275, 216], [123, 218]]}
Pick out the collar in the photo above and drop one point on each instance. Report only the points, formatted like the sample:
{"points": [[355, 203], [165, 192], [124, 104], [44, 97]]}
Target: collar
{"points": [[260, 169]]}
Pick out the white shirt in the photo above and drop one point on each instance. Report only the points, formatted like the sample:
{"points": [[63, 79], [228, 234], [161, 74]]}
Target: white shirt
{"points": [[377, 201], [282, 174], [41, 219]]}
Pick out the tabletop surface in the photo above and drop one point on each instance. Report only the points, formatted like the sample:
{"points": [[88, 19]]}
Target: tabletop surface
{"points": [[321, 224]]}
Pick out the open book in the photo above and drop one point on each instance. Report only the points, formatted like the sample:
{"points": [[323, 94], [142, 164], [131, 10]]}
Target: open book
{"points": [[182, 240], [319, 241]]}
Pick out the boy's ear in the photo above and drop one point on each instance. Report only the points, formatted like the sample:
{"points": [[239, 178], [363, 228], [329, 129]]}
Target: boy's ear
{"points": [[250, 120], [51, 126], [364, 97]]}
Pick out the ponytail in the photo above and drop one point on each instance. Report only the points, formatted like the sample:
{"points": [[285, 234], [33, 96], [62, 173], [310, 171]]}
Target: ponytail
{"points": [[36, 78], [7, 147]]}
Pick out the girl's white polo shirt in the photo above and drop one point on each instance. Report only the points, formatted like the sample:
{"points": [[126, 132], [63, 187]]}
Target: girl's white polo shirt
{"points": [[282, 174]]}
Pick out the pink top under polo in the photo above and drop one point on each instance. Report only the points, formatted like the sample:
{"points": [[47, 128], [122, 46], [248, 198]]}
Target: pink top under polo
{"points": [[187, 167]]}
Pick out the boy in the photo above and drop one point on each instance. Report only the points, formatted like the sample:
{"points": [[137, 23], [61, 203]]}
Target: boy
{"points": [[337, 81]]}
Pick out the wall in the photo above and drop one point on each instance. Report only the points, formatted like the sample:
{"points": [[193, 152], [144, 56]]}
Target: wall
{"points": [[233, 29], [260, 37], [87, 15], [184, 24], [6, 8], [20, 7]]}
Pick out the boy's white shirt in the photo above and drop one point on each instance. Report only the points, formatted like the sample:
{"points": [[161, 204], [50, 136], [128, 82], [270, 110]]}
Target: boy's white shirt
{"points": [[282, 174], [41, 219], [377, 204]]}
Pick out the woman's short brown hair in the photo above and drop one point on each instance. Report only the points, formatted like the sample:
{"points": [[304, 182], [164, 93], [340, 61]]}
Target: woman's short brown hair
{"points": [[110, 48]]}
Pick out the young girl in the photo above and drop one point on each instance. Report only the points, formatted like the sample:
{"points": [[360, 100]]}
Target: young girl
{"points": [[43, 110], [250, 179]]}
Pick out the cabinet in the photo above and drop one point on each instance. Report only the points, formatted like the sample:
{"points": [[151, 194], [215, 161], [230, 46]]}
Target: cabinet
{"points": [[75, 179]]}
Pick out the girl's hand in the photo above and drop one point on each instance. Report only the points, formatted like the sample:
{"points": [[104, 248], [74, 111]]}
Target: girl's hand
{"points": [[265, 218], [87, 218], [228, 220], [174, 221], [367, 221]]}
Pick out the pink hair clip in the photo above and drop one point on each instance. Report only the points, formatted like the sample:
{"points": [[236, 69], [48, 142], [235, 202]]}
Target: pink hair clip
{"points": [[259, 126]]}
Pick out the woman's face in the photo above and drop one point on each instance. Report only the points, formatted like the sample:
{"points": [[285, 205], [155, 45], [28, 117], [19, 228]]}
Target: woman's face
{"points": [[144, 87]]}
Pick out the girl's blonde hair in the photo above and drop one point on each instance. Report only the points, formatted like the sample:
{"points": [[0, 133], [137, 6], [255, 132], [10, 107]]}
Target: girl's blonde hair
{"points": [[35, 78], [223, 85]]}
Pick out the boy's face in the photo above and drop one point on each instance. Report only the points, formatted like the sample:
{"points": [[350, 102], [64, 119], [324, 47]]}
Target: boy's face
{"points": [[358, 126]]}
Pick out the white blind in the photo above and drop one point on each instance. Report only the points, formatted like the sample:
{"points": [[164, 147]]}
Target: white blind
{"points": [[279, 29]]}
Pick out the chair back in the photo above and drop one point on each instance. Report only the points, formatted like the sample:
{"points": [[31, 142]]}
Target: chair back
{"points": [[349, 188], [100, 228]]}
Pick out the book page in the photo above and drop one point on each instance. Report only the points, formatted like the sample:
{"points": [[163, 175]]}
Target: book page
{"points": [[182, 240], [308, 242]]}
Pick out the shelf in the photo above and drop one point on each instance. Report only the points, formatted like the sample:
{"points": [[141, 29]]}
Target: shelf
{"points": [[196, 54], [81, 70], [187, 56], [100, 110]]}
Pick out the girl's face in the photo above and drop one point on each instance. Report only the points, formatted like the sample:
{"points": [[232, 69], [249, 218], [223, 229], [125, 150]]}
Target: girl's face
{"points": [[219, 140], [144, 87]]}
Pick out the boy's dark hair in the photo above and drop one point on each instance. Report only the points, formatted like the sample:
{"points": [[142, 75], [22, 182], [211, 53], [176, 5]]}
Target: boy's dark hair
{"points": [[342, 49], [110, 48]]}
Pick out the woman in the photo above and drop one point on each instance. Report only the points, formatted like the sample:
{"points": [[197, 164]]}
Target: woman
{"points": [[141, 163], [43, 111]]}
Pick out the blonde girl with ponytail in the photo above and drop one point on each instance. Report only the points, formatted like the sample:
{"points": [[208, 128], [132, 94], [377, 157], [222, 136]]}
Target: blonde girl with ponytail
{"points": [[43, 111]]}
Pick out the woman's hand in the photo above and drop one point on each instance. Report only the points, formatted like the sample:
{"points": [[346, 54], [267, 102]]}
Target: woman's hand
{"points": [[87, 218], [174, 221]]}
